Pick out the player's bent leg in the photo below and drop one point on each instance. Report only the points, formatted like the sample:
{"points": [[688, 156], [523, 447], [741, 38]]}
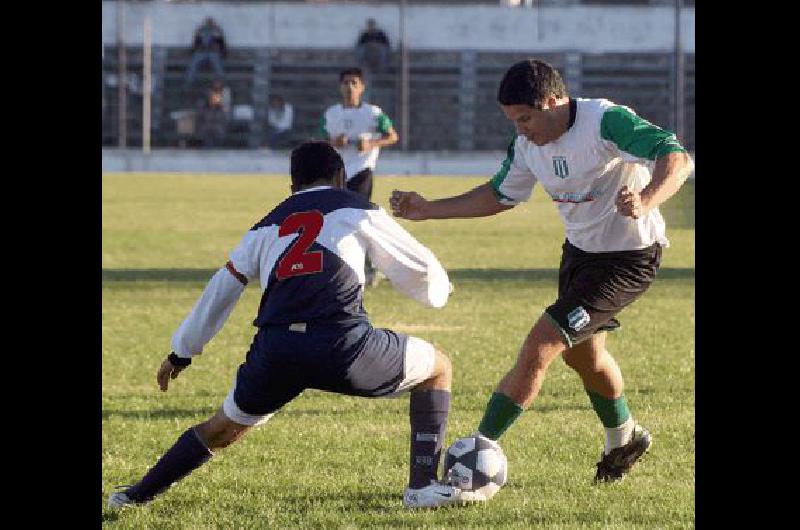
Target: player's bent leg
{"points": [[428, 411], [625, 441], [520, 386]]}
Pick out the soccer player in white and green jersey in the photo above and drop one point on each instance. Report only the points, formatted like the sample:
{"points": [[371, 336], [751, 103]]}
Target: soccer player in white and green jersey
{"points": [[358, 130], [607, 170]]}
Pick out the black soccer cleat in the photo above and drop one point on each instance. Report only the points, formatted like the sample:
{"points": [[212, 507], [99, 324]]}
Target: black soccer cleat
{"points": [[613, 466]]}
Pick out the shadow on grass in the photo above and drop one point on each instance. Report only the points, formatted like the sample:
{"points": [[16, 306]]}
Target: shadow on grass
{"points": [[376, 502], [203, 275], [157, 414], [109, 516]]}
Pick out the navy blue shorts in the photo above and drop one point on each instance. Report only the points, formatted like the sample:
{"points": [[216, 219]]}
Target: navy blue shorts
{"points": [[355, 360]]}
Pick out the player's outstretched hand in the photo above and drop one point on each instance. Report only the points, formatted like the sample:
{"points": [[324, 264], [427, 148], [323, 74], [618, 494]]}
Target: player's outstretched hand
{"points": [[408, 205], [629, 203], [166, 372]]}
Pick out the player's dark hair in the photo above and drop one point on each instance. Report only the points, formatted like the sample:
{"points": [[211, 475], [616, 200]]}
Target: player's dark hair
{"points": [[314, 161], [351, 71], [530, 82]]}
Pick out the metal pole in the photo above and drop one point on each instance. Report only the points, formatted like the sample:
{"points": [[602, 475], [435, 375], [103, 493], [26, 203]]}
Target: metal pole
{"points": [[680, 99], [122, 87], [147, 67], [404, 80]]}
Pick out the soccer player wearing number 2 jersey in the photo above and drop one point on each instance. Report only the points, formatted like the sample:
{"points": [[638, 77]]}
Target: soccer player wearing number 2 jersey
{"points": [[607, 170], [313, 332]]}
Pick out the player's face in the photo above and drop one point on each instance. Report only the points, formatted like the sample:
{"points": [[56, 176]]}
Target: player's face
{"points": [[539, 126], [351, 88]]}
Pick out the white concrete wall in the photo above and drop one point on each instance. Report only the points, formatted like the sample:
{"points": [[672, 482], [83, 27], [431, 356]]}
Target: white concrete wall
{"points": [[264, 161], [391, 162], [587, 29]]}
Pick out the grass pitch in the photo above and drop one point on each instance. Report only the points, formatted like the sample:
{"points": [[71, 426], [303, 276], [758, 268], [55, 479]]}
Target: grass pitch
{"points": [[329, 461]]}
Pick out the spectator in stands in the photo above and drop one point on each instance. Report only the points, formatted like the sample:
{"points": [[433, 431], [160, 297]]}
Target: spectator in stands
{"points": [[209, 46], [372, 48], [280, 118], [213, 114]]}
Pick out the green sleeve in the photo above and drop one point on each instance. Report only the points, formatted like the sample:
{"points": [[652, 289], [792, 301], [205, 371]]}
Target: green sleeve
{"points": [[322, 130], [384, 123], [637, 136], [502, 173]]}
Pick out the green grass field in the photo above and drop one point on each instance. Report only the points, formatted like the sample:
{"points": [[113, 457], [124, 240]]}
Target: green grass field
{"points": [[329, 461]]}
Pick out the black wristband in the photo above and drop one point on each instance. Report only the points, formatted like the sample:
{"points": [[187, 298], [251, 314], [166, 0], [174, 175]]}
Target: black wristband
{"points": [[179, 361]]}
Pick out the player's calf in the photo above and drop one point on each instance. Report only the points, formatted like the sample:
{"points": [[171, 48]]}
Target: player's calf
{"points": [[428, 412]]}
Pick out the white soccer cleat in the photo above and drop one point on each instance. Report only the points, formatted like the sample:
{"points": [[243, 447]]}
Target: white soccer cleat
{"points": [[432, 496]]}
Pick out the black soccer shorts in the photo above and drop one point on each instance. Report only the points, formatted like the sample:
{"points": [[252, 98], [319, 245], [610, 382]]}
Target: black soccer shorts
{"points": [[594, 286]]}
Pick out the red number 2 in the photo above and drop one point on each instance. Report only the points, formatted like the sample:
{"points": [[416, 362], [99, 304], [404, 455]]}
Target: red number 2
{"points": [[297, 261]]}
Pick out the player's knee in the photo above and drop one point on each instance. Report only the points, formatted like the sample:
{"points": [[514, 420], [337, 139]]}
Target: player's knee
{"points": [[444, 364], [442, 374], [220, 432], [585, 359]]}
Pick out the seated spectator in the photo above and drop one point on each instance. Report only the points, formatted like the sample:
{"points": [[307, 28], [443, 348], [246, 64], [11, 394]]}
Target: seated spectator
{"points": [[280, 117], [209, 46], [213, 115], [372, 48]]}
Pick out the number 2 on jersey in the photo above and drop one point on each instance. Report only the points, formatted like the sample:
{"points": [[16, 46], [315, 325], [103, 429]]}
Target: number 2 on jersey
{"points": [[297, 261]]}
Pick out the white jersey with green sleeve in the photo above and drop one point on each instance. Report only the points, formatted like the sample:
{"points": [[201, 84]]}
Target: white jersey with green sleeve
{"points": [[606, 147], [367, 121]]}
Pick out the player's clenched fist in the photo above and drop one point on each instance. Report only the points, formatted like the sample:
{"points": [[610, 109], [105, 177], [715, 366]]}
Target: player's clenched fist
{"points": [[629, 203], [408, 205]]}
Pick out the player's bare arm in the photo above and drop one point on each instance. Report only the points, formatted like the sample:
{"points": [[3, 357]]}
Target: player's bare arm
{"points": [[478, 202], [389, 138], [669, 174]]}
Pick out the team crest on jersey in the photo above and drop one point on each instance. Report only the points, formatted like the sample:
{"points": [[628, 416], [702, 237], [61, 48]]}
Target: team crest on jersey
{"points": [[560, 166]]}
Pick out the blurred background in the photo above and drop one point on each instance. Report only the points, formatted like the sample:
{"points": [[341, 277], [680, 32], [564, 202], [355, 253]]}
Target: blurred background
{"points": [[232, 86]]}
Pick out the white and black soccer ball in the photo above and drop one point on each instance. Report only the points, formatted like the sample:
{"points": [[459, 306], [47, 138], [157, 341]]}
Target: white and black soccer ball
{"points": [[477, 465]]}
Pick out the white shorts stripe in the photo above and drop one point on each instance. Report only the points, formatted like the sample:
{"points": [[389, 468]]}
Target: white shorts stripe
{"points": [[419, 363]]}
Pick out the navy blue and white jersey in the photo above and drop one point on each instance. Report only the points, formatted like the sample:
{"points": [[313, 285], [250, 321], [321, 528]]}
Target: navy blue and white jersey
{"points": [[308, 256]]}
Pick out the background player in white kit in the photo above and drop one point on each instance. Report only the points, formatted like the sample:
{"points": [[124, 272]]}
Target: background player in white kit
{"points": [[313, 332], [607, 170], [358, 130]]}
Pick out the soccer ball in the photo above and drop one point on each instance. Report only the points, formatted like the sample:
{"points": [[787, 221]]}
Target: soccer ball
{"points": [[476, 465]]}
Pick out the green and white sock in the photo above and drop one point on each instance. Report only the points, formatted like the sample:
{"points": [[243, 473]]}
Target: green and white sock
{"points": [[616, 418], [618, 436]]}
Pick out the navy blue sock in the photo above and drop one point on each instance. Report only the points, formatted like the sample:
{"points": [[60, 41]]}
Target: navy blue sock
{"points": [[428, 411], [188, 453]]}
